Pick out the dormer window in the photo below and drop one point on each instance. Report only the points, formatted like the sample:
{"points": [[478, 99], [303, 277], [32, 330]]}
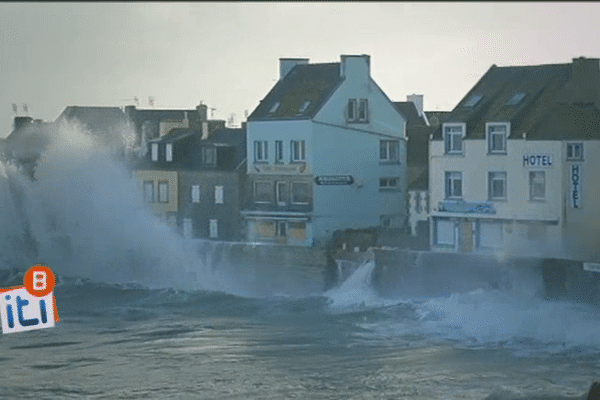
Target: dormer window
{"points": [[154, 151], [274, 107], [304, 107], [496, 137], [453, 138], [473, 100], [169, 152], [209, 156]]}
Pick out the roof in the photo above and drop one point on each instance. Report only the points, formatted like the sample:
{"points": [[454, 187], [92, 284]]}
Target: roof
{"points": [[300, 94], [410, 113], [107, 123], [525, 96], [30, 140]]}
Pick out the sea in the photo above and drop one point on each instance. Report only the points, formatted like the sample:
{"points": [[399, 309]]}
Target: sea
{"points": [[216, 337]]}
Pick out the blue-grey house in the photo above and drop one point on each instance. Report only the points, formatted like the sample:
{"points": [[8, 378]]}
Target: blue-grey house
{"points": [[326, 151]]}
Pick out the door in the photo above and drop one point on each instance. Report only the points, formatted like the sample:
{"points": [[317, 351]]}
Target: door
{"points": [[466, 236]]}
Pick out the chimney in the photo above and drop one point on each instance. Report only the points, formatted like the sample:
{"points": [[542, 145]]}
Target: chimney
{"points": [[286, 65], [585, 73], [417, 100], [202, 112], [204, 130], [20, 122], [355, 66]]}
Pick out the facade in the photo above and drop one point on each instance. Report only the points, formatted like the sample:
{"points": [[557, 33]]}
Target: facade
{"points": [[195, 182], [513, 168], [326, 151]]}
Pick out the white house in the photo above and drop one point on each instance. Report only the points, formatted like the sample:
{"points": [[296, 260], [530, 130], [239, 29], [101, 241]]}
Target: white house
{"points": [[326, 152], [514, 168]]}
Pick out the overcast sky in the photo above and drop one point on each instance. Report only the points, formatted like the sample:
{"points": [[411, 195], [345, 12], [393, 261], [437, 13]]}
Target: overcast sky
{"points": [[227, 54]]}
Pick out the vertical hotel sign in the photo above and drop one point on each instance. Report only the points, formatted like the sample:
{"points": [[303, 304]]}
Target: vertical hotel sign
{"points": [[575, 179]]}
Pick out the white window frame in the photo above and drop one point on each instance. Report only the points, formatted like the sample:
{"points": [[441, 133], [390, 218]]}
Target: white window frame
{"points": [[363, 110], [154, 151], [255, 185], [213, 228], [497, 176], [195, 193], [279, 151], [280, 196], [163, 191], [149, 195], [574, 151], [169, 152], [385, 151], [304, 106], [490, 135], [389, 183], [293, 184], [298, 150], [219, 195], [450, 224], [261, 151], [532, 195], [451, 134], [450, 179], [352, 110]]}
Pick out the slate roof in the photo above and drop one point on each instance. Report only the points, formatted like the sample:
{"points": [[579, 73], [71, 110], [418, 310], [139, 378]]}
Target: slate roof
{"points": [[410, 113], [304, 82], [29, 141], [96, 119], [547, 110]]}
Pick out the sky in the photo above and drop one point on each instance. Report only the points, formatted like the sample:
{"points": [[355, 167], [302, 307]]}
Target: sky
{"points": [[227, 54]]}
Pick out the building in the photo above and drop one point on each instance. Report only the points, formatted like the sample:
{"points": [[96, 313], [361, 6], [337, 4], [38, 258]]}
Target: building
{"points": [[194, 181], [326, 151], [513, 168]]}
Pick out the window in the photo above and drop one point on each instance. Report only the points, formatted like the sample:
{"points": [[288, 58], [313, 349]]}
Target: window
{"points": [[537, 185], [453, 185], [260, 151], [163, 192], [209, 156], [575, 151], [352, 112], [516, 99], [279, 151], [497, 185], [385, 221], [444, 232], [363, 110], [298, 151], [300, 193], [218, 194], [213, 228], [473, 100], [281, 193], [281, 229], [154, 148], [149, 192], [195, 193], [453, 135], [304, 106], [169, 152], [388, 183], [274, 107], [388, 150], [262, 192], [490, 234], [496, 135]]}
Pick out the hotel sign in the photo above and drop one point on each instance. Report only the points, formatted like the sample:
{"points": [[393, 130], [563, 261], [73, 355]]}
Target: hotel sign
{"points": [[538, 160], [466, 207], [334, 180], [575, 192]]}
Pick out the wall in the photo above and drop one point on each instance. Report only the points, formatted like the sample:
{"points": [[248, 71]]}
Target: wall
{"points": [[152, 175]]}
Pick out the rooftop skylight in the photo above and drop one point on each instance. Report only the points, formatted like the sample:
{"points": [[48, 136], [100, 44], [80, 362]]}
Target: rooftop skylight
{"points": [[516, 99], [474, 99], [304, 106], [274, 107]]}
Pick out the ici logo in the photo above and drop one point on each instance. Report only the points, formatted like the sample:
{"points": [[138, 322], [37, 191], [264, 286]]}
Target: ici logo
{"points": [[31, 306]]}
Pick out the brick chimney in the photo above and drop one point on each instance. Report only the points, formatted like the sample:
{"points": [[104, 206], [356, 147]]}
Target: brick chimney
{"points": [[585, 73], [202, 111], [286, 65]]}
